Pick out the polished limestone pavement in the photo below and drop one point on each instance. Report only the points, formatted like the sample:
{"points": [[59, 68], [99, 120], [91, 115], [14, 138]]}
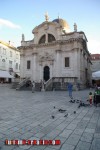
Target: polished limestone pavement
{"points": [[27, 115]]}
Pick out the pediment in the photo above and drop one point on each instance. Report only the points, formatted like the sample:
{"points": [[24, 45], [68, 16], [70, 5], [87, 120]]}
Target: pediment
{"points": [[44, 25]]}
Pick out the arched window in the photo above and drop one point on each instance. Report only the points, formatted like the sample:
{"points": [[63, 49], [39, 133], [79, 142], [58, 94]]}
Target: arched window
{"points": [[42, 39], [51, 38], [3, 62]]}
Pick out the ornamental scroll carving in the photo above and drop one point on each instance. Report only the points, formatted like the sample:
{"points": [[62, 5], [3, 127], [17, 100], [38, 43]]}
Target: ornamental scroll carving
{"points": [[46, 57]]}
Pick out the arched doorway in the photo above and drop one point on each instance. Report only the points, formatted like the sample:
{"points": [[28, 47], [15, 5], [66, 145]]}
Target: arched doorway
{"points": [[46, 74]]}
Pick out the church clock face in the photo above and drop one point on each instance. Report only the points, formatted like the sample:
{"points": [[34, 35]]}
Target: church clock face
{"points": [[46, 73]]}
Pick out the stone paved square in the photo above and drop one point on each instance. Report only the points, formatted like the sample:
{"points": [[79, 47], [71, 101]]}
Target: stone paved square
{"points": [[27, 115]]}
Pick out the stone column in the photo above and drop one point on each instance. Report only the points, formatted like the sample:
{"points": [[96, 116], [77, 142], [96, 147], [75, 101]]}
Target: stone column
{"points": [[34, 65], [22, 68], [51, 68], [75, 62], [40, 66], [58, 63], [46, 41]]}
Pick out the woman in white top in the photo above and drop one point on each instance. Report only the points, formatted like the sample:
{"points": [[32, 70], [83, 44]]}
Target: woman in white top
{"points": [[33, 87]]}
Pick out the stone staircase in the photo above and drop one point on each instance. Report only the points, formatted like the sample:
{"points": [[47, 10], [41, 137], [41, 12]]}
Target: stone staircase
{"points": [[37, 86], [58, 84], [49, 85], [55, 83], [14, 85], [22, 85]]}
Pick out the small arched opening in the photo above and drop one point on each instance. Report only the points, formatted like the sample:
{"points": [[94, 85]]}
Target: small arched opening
{"points": [[46, 73], [42, 39], [51, 38]]}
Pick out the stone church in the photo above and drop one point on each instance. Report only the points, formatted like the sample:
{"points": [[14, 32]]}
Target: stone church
{"points": [[55, 55]]}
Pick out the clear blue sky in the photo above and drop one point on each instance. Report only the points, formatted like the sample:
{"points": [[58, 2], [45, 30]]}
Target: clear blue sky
{"points": [[21, 16]]}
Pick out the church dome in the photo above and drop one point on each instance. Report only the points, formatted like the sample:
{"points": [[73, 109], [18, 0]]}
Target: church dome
{"points": [[63, 24]]}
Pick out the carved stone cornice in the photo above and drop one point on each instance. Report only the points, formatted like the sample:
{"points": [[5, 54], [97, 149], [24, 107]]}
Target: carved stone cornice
{"points": [[75, 49], [22, 55], [58, 50], [34, 53], [20, 47], [26, 47], [60, 42]]}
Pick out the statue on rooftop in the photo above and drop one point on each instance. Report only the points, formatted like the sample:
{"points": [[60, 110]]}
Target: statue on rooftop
{"points": [[46, 17], [23, 37], [75, 27]]}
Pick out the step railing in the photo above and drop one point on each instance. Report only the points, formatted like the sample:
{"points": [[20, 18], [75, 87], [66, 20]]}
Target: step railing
{"points": [[49, 84], [22, 83]]}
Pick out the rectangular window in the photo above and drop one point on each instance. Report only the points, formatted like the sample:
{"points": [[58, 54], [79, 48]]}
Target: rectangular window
{"points": [[3, 63], [10, 54], [16, 56], [66, 61], [4, 51], [19, 67], [16, 65], [28, 64], [10, 64]]}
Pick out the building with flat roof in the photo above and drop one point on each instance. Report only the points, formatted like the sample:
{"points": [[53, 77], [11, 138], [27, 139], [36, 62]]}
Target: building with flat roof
{"points": [[9, 62], [95, 59]]}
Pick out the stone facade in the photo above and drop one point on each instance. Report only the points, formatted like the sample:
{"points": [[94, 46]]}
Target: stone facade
{"points": [[56, 54], [9, 59], [95, 59]]}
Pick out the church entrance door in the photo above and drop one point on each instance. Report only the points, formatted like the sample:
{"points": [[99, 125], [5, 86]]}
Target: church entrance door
{"points": [[46, 73]]}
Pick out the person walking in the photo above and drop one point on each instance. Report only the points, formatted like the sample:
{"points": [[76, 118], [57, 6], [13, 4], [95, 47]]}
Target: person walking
{"points": [[70, 87], [90, 98], [78, 86], [33, 87]]}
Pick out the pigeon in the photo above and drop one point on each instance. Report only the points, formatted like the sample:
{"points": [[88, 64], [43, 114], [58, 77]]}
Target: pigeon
{"points": [[77, 101], [66, 115], [79, 106], [53, 117], [72, 101], [74, 112], [61, 110]]}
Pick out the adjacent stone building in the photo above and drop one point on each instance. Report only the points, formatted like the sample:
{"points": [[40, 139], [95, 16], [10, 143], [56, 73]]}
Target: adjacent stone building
{"points": [[9, 61], [95, 59], [56, 55]]}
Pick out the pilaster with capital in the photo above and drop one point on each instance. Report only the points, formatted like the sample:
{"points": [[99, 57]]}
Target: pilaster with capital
{"points": [[78, 62], [34, 60], [22, 66], [41, 72], [58, 63]]}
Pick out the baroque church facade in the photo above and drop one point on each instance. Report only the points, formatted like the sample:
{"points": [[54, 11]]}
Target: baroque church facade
{"points": [[55, 55]]}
